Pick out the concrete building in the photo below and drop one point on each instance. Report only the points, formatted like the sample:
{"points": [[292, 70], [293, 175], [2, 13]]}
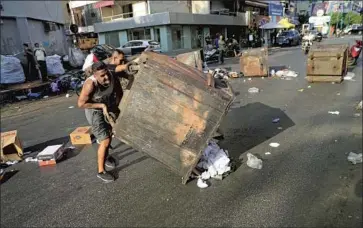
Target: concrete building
{"points": [[32, 22], [175, 24]]}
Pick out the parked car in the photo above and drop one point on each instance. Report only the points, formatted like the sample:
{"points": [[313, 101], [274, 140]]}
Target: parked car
{"points": [[134, 47], [291, 37], [354, 29], [103, 51]]}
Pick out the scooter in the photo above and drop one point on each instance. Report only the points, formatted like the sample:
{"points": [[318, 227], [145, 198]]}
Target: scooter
{"points": [[354, 52], [307, 42]]}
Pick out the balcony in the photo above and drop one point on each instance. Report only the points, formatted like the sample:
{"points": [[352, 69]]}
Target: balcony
{"points": [[117, 17]]}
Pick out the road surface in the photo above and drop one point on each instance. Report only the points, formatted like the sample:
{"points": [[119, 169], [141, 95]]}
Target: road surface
{"points": [[306, 181]]}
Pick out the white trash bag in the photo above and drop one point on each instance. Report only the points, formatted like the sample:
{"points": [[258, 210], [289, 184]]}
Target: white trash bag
{"points": [[54, 65], [76, 57], [11, 70], [253, 161], [354, 158]]}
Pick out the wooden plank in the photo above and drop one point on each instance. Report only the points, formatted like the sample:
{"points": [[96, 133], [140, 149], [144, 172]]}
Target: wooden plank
{"points": [[337, 79]]}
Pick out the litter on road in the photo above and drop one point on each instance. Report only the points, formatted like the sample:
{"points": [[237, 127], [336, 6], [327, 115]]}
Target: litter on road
{"points": [[214, 161], [67, 95], [355, 158], [301, 90], [356, 114], [45, 97], [268, 153], [359, 106], [280, 128], [334, 112], [338, 94], [11, 162], [254, 162], [30, 159], [309, 87], [201, 183], [276, 120], [71, 107], [349, 76], [253, 90], [274, 144]]}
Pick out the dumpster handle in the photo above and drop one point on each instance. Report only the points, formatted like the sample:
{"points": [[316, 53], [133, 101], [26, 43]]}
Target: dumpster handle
{"points": [[132, 68]]}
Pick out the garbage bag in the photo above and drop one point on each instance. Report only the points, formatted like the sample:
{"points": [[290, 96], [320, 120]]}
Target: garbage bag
{"points": [[253, 161], [54, 65], [76, 57], [11, 70]]}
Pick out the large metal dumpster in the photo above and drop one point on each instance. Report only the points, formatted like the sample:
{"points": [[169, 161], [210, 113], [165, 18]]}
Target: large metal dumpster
{"points": [[254, 62], [327, 63], [194, 59], [170, 112]]}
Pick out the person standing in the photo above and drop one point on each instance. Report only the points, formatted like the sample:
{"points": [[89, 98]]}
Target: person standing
{"points": [[216, 40], [31, 68], [221, 48], [39, 53], [100, 97]]}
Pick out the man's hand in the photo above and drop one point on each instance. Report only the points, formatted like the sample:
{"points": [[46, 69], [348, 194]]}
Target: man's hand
{"points": [[120, 68]]}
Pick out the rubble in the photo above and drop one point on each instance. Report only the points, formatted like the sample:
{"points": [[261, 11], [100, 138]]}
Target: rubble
{"points": [[253, 161], [253, 90], [354, 158]]}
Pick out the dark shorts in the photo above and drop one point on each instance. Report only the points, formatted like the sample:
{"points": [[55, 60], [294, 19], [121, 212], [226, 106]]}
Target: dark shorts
{"points": [[101, 129]]}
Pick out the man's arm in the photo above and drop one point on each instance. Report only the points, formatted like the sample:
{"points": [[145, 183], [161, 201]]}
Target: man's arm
{"points": [[120, 68], [84, 97]]}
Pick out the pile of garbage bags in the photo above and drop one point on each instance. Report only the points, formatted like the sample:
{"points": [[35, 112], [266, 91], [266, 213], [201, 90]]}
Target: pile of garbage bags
{"points": [[11, 70], [54, 65]]}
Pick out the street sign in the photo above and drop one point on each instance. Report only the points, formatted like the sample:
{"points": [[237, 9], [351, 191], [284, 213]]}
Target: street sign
{"points": [[275, 9]]}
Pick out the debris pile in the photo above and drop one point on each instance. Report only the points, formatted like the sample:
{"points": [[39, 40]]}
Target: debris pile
{"points": [[215, 163], [254, 162], [222, 73], [285, 73]]}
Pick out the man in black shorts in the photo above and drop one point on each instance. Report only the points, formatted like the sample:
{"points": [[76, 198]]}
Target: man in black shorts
{"points": [[100, 96]]}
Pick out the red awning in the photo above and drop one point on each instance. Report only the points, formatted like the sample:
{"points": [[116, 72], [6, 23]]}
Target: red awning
{"points": [[101, 4]]}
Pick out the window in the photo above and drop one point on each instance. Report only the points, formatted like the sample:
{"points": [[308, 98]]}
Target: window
{"points": [[177, 37], [112, 38], [157, 34], [154, 43], [136, 44], [127, 44]]}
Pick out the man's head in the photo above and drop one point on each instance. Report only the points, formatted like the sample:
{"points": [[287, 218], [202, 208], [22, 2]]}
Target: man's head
{"points": [[25, 45], [36, 45], [118, 56], [101, 73]]}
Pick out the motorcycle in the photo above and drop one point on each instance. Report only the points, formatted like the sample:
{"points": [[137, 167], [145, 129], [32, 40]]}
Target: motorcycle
{"points": [[211, 55], [354, 52], [307, 42]]}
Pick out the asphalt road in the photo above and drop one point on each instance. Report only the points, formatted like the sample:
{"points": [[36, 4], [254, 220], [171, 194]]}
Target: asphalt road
{"points": [[306, 181]]}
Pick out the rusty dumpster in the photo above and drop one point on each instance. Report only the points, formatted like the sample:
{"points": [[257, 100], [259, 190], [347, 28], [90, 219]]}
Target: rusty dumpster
{"points": [[193, 59], [254, 62], [170, 112], [327, 63]]}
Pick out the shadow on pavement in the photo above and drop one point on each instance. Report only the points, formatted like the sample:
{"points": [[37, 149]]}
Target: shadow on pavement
{"points": [[249, 126], [41, 146], [358, 189]]}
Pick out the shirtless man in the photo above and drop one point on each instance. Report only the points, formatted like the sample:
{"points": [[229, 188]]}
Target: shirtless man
{"points": [[100, 96]]}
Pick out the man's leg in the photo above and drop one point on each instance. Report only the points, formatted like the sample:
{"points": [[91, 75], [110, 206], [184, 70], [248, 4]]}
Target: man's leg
{"points": [[102, 154]]}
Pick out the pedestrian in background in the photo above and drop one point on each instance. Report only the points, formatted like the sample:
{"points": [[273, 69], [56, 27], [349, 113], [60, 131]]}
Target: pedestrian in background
{"points": [[222, 48], [40, 54], [216, 40], [31, 68]]}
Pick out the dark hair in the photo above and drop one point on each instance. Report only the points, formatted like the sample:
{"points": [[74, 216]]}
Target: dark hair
{"points": [[119, 52], [36, 44], [26, 45], [99, 66]]}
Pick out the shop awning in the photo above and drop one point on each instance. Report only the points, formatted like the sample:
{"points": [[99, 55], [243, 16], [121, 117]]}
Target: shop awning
{"points": [[271, 25], [285, 23]]}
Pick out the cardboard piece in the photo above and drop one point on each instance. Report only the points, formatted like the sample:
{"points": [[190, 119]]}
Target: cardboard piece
{"points": [[50, 155], [11, 148], [81, 136]]}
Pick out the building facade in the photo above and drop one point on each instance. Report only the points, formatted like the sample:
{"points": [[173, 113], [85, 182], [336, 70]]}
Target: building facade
{"points": [[32, 22], [175, 24]]}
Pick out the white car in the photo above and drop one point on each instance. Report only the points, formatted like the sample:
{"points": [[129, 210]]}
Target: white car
{"points": [[137, 46]]}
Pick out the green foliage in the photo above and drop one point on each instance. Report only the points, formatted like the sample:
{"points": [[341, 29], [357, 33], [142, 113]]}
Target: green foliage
{"points": [[352, 18], [303, 18], [335, 18]]}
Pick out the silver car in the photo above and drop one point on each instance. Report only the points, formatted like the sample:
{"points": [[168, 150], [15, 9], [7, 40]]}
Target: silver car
{"points": [[134, 47]]}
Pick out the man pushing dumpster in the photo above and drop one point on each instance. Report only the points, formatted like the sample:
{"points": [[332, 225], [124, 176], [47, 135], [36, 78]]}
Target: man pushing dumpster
{"points": [[100, 97]]}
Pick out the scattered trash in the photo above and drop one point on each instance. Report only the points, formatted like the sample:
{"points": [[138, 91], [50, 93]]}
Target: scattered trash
{"points": [[355, 158], [334, 112], [272, 73], [71, 107], [218, 177], [263, 77], [349, 76], [359, 106], [335, 140], [19, 98], [202, 184], [280, 128], [67, 95], [333, 83], [309, 86], [214, 161], [276, 120], [249, 79], [356, 114], [274, 144], [45, 97], [338, 94], [253, 90], [205, 175], [233, 74], [30, 159], [253, 161], [267, 153], [301, 90], [11, 162], [244, 80], [286, 73], [28, 152]]}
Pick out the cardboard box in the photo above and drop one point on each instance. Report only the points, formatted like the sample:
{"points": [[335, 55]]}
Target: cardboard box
{"points": [[50, 155], [11, 148], [81, 136]]}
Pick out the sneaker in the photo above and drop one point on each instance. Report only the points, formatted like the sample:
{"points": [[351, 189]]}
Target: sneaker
{"points": [[106, 177], [110, 162]]}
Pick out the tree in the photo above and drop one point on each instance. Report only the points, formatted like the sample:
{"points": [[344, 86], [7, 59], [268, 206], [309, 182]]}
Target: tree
{"points": [[303, 18], [352, 18], [335, 19]]}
